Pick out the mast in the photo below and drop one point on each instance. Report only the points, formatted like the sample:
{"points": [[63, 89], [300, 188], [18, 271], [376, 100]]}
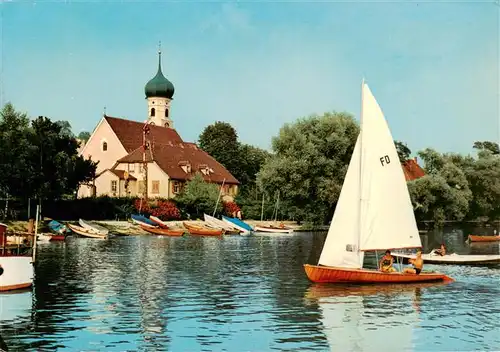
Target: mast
{"points": [[145, 131], [360, 163]]}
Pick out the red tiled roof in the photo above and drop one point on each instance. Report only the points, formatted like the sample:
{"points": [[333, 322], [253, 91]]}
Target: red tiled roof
{"points": [[412, 170], [130, 133], [171, 156]]}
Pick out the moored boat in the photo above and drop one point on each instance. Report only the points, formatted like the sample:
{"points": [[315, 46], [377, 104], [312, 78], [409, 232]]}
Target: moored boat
{"points": [[16, 262], [92, 226], [142, 220], [158, 222], [163, 232], [239, 224], [49, 237], [273, 229], [373, 212], [219, 224], [57, 227], [453, 258], [202, 231], [86, 233], [475, 238]]}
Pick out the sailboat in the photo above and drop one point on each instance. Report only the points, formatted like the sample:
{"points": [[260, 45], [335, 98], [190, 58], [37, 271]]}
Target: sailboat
{"points": [[374, 210]]}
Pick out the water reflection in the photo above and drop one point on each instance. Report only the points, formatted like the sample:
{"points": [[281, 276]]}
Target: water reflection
{"points": [[240, 293]]}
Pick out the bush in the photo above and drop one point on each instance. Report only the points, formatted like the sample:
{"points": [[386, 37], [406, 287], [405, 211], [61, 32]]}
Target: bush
{"points": [[163, 209], [231, 208]]}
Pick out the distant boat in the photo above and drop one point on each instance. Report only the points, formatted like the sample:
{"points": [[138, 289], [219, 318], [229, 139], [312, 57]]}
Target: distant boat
{"points": [[453, 259], [272, 229], [474, 238], [57, 227], [142, 220], [240, 225], [374, 210], [163, 232], [158, 222], [219, 224], [202, 231], [49, 237], [92, 226], [86, 233]]}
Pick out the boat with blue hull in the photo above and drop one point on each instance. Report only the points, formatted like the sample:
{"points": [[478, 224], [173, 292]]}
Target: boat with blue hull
{"points": [[240, 225], [142, 220]]}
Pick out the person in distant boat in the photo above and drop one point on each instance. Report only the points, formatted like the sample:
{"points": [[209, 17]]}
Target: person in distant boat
{"points": [[418, 264], [386, 262], [441, 251]]}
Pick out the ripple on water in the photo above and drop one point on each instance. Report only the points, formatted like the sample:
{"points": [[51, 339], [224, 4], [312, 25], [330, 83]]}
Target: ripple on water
{"points": [[239, 293]]}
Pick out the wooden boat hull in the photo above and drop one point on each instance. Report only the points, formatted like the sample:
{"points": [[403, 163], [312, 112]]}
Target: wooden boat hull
{"points": [[17, 272], [49, 237], [452, 259], [93, 227], [163, 232], [219, 224], [325, 274], [272, 229], [197, 230], [158, 222], [142, 220], [240, 225], [474, 238], [85, 233]]}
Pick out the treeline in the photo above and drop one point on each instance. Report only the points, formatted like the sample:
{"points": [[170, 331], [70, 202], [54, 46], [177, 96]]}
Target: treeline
{"points": [[39, 158], [309, 159]]}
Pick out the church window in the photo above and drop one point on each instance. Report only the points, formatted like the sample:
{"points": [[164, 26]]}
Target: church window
{"points": [[153, 111], [114, 186], [104, 146], [167, 124], [166, 112]]}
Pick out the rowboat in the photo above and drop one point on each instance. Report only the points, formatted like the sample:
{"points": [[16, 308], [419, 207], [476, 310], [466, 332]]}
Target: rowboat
{"points": [[240, 225], [57, 227], [219, 224], [92, 226], [16, 263], [373, 212], [86, 233], [273, 229], [142, 220], [49, 237], [453, 258], [158, 222], [474, 238], [163, 232], [203, 231]]}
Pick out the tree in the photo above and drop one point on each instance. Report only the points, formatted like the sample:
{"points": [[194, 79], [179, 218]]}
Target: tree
{"points": [[403, 151], [443, 193], [492, 147], [84, 136], [309, 164], [198, 197], [243, 161]]}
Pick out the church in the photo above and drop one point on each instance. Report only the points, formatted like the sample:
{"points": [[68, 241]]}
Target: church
{"points": [[166, 162]]}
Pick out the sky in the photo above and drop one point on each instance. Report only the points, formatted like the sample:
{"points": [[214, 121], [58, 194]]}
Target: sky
{"points": [[432, 66]]}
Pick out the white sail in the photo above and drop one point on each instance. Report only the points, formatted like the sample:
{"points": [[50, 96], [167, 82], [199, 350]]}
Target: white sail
{"points": [[387, 218], [342, 241]]}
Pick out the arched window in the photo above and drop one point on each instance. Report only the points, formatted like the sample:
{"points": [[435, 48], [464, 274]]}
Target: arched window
{"points": [[166, 112], [152, 111], [104, 146], [167, 124]]}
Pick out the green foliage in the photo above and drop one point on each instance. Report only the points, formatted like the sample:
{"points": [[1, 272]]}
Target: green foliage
{"points": [[243, 161], [197, 197], [40, 160], [84, 136], [492, 147], [403, 151], [309, 164]]}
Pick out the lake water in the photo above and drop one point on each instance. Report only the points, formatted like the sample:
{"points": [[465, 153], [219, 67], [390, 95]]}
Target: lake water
{"points": [[239, 293]]}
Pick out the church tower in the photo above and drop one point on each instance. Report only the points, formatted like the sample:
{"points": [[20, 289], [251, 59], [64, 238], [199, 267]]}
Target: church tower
{"points": [[159, 92]]}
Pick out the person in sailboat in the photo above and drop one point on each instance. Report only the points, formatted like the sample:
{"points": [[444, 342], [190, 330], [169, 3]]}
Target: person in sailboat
{"points": [[386, 262], [441, 251], [418, 264]]}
